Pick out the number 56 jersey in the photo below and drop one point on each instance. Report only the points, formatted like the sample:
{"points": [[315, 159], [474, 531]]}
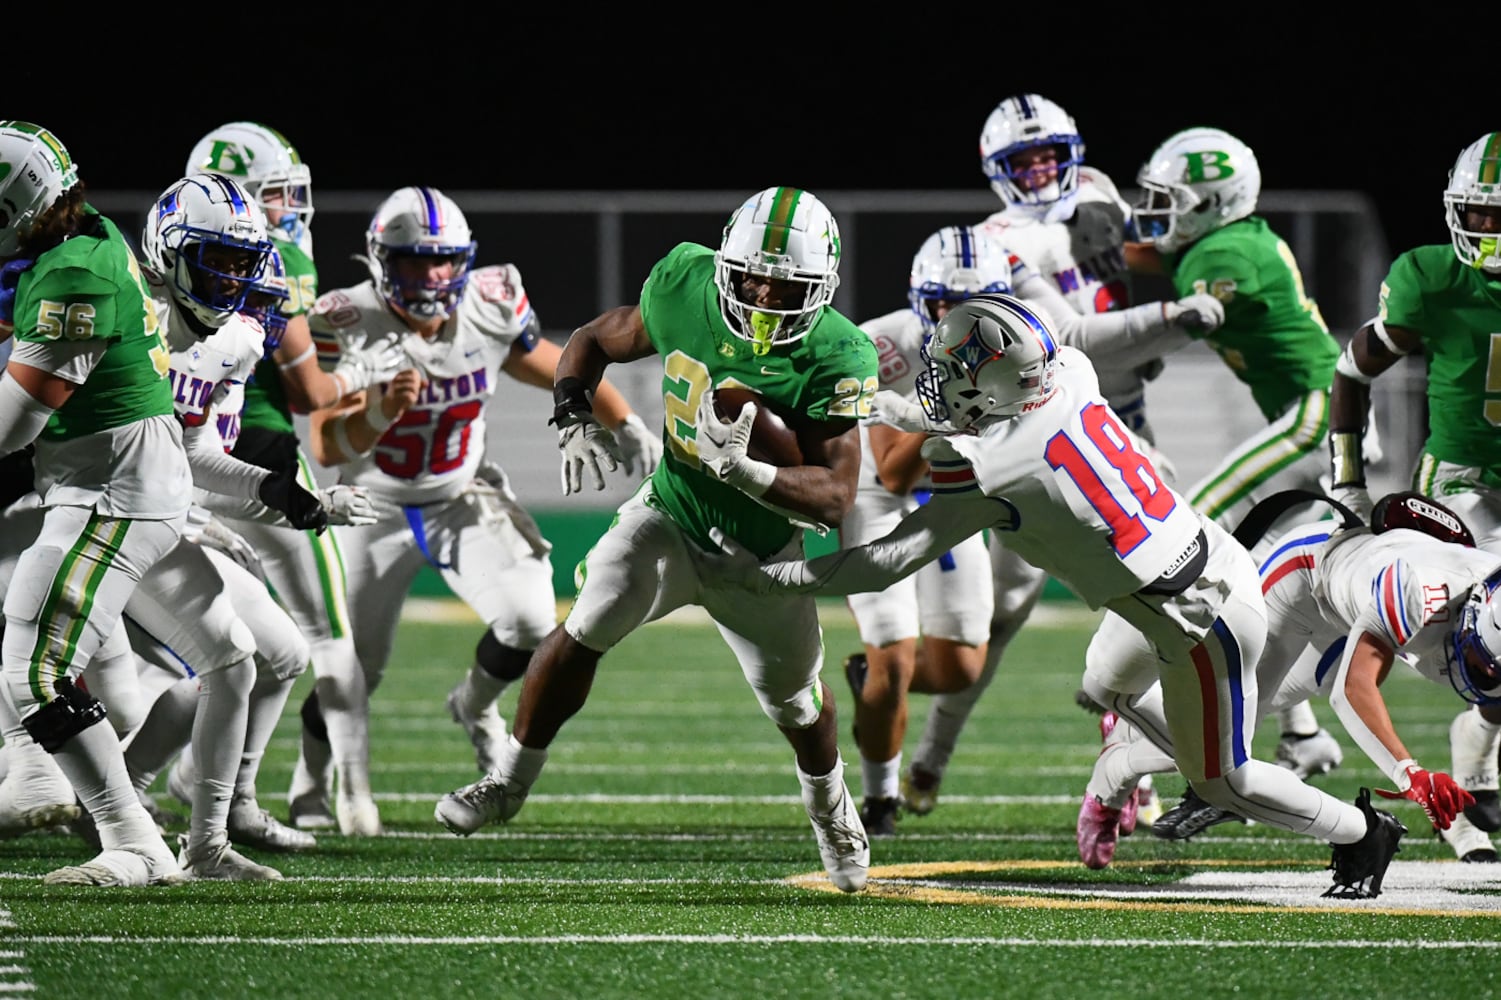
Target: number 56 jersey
{"points": [[431, 453], [1077, 499]]}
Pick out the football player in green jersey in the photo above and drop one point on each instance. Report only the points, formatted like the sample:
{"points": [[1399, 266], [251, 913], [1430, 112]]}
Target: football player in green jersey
{"points": [[1444, 300], [305, 569], [1195, 222], [87, 382], [756, 315]]}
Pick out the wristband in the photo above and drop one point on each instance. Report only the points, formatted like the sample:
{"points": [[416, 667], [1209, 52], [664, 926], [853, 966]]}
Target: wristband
{"points": [[1399, 774], [751, 477], [341, 438], [289, 365], [569, 397], [375, 416], [1345, 459]]}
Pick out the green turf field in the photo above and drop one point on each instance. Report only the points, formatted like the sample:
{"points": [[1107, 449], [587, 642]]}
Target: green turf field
{"points": [[665, 853]]}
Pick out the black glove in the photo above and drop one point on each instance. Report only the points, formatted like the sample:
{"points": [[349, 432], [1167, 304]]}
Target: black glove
{"points": [[281, 491]]}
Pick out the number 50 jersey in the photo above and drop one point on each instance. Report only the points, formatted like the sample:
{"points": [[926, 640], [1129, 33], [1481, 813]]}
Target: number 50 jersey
{"points": [[432, 452]]}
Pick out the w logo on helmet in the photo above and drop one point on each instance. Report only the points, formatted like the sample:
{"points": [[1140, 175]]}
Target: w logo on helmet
{"points": [[973, 353]]}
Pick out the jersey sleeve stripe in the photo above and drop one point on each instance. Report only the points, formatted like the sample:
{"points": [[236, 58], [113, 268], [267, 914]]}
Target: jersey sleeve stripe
{"points": [[1393, 613]]}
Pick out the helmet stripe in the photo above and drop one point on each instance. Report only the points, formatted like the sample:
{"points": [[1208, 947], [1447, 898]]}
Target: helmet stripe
{"points": [[1490, 160], [966, 246], [1031, 319], [779, 221], [232, 193], [433, 210]]}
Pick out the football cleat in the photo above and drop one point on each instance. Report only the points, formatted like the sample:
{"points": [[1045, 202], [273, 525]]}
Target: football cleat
{"points": [[1084, 701], [253, 826], [1473, 747], [1192, 815], [1097, 832], [487, 731], [35, 793], [842, 841], [308, 798], [1307, 756], [359, 816], [223, 863], [1470, 844], [1359, 867], [486, 801], [1148, 802], [150, 864], [879, 815], [919, 793]]}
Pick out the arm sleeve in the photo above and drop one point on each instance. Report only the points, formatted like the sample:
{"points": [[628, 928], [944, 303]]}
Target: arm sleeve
{"points": [[238, 508], [21, 417], [214, 469], [1123, 338], [919, 538], [1356, 726]]}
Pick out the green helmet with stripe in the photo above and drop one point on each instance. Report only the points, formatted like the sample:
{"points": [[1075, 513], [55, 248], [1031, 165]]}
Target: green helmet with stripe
{"points": [[1475, 182], [35, 170], [784, 234]]}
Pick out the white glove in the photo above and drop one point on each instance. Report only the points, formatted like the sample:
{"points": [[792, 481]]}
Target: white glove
{"points": [[1357, 498], [731, 568], [1370, 445], [640, 448], [371, 365], [347, 505], [585, 442], [893, 409], [215, 534], [1200, 313]]}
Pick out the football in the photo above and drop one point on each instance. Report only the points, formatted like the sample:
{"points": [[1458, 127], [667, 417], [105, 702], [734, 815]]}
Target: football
{"points": [[772, 441]]}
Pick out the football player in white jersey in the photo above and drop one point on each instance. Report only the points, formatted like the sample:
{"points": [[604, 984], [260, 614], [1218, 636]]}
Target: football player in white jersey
{"points": [[418, 445], [205, 244], [1345, 603], [1067, 223], [1034, 451]]}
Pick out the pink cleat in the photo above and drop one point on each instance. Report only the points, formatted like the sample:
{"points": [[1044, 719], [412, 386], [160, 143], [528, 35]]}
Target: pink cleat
{"points": [[1097, 832]]}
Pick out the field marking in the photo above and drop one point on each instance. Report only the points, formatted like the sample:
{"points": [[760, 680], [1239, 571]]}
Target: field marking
{"points": [[14, 977]]}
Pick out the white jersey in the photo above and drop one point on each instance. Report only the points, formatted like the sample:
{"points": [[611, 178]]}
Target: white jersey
{"points": [[1401, 585], [1077, 500], [432, 452], [1084, 260], [898, 337], [209, 375]]}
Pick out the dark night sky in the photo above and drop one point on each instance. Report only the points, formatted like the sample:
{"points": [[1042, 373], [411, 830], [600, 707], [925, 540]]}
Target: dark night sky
{"points": [[539, 106]]}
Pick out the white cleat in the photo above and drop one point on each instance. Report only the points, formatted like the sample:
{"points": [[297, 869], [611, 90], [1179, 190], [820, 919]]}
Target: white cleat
{"points": [[223, 863], [359, 816], [35, 794], [253, 826], [842, 842], [307, 801], [122, 868], [1307, 756], [1469, 842], [487, 731], [486, 801]]}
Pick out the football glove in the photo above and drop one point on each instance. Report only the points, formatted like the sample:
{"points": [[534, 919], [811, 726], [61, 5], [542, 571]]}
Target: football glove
{"points": [[10, 277], [1357, 498], [370, 365], [892, 408], [640, 448], [1441, 798], [721, 446], [347, 505], [586, 443], [303, 510], [1199, 313], [215, 534]]}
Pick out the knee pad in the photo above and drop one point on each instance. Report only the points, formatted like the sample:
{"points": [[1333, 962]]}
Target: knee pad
{"points": [[798, 712], [312, 717], [64, 717], [504, 663]]}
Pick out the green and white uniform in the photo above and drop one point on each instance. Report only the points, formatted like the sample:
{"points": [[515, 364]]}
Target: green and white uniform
{"points": [[640, 569], [110, 465], [1276, 342], [1456, 310]]}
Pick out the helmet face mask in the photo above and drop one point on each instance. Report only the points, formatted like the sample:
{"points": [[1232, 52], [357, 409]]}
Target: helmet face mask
{"points": [[991, 358], [267, 166], [777, 267], [35, 171], [1475, 183], [413, 234], [1475, 645], [1194, 183], [207, 240], [264, 302], [953, 264], [1020, 124]]}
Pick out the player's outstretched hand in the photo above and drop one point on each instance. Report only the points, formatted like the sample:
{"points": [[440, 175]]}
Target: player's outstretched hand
{"points": [[892, 408], [379, 362], [348, 505], [586, 444], [640, 448], [1201, 313], [217, 535], [1439, 795]]}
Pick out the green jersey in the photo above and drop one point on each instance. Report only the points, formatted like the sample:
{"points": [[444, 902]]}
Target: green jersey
{"points": [[91, 288], [1274, 339], [830, 374], [266, 404], [1456, 310]]}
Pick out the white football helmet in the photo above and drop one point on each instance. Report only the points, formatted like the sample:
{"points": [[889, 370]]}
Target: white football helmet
{"points": [[991, 357], [268, 294], [207, 240], [956, 263], [1475, 180], [1474, 654], [35, 170], [420, 222], [783, 233], [266, 165], [1197, 181], [1020, 123]]}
